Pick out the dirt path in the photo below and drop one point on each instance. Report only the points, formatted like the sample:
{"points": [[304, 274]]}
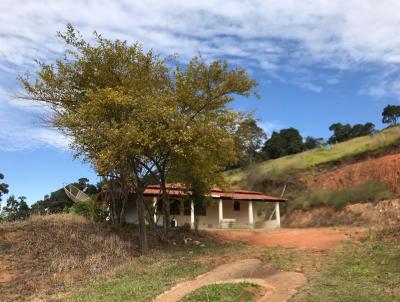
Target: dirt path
{"points": [[277, 287], [321, 238]]}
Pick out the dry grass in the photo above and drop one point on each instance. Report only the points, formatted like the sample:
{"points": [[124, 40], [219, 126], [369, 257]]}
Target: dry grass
{"points": [[45, 254]]}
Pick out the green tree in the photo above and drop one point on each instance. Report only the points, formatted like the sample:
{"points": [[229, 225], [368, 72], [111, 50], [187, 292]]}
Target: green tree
{"points": [[340, 132], [312, 143], [3, 186], [201, 164], [343, 132], [130, 114], [15, 209], [390, 114], [275, 147], [252, 138], [285, 142]]}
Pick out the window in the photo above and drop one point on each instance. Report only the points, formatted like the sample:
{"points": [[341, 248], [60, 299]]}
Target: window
{"points": [[175, 207], [236, 205]]}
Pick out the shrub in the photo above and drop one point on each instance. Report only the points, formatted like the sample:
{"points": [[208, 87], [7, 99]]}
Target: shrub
{"points": [[89, 210]]}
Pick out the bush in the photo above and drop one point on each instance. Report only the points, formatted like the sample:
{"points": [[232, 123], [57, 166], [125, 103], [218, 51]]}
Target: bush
{"points": [[89, 210], [367, 192]]}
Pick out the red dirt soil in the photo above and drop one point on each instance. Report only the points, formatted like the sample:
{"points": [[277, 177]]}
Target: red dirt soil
{"points": [[385, 169], [323, 238]]}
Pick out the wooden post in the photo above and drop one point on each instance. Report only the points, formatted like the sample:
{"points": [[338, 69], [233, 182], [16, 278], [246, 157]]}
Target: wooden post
{"points": [[277, 215], [192, 214], [251, 217]]}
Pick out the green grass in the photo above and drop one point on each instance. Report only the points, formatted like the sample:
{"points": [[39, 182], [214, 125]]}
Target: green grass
{"points": [[364, 272], [274, 169], [227, 292], [147, 276]]}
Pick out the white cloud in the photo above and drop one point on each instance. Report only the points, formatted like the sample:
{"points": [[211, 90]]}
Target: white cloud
{"points": [[21, 127], [271, 126], [283, 38], [337, 33]]}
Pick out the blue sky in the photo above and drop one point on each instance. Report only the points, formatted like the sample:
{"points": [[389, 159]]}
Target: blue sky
{"points": [[317, 62]]}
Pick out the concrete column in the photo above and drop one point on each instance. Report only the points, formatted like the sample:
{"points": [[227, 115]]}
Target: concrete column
{"points": [[192, 214], [251, 217], [277, 214], [220, 211], [155, 209]]}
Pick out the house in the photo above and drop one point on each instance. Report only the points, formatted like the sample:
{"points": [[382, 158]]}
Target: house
{"points": [[226, 209]]}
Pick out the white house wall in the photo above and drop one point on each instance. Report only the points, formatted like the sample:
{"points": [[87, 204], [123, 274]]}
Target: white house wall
{"points": [[211, 219]]}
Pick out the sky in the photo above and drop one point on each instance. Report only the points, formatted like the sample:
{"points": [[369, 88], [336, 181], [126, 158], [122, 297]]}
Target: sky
{"points": [[317, 62]]}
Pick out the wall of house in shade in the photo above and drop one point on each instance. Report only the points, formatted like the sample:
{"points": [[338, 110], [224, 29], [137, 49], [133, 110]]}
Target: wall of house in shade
{"points": [[180, 211]]}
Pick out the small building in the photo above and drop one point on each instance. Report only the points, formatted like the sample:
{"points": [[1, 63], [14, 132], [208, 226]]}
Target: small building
{"points": [[233, 209]]}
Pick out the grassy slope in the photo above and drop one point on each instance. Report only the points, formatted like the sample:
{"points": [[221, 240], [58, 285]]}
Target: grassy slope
{"points": [[367, 271], [274, 169], [148, 276]]}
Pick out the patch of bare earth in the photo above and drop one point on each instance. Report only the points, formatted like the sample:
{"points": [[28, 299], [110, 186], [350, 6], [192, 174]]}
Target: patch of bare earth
{"points": [[308, 247], [275, 286], [385, 169], [321, 238]]}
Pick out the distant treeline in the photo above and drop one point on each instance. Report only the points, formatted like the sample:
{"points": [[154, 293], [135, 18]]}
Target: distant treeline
{"points": [[289, 141], [55, 202]]}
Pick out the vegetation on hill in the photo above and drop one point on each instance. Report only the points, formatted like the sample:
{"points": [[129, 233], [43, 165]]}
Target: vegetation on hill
{"points": [[345, 132], [390, 114], [282, 168], [372, 191]]}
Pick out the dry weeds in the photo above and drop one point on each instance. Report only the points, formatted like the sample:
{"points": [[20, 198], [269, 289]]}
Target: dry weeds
{"points": [[46, 254]]}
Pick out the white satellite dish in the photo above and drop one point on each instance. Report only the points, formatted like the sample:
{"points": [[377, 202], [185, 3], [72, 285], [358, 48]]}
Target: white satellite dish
{"points": [[75, 194]]}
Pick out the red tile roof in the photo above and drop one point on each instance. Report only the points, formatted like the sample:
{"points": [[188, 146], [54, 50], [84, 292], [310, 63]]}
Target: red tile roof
{"points": [[177, 190]]}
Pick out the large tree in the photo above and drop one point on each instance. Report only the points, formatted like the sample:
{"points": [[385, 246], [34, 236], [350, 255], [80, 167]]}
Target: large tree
{"points": [[343, 132], [252, 138], [15, 209], [390, 114], [285, 142], [131, 115], [200, 166]]}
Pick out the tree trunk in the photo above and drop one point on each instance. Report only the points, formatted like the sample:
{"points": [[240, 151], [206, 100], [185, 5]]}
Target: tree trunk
{"points": [[144, 247], [165, 202], [124, 200], [196, 223]]}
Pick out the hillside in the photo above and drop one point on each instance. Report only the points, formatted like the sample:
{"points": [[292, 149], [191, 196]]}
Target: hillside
{"points": [[281, 168]]}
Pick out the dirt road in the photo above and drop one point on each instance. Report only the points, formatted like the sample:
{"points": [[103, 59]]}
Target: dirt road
{"points": [[277, 287], [321, 238]]}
